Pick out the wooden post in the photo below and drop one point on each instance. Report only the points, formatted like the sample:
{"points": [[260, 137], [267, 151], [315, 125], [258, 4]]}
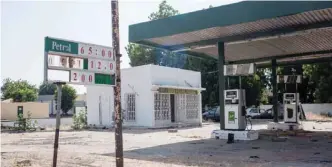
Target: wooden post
{"points": [[117, 88], [57, 125]]}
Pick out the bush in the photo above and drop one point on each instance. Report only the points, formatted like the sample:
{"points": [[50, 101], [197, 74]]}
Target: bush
{"points": [[80, 119], [26, 123]]}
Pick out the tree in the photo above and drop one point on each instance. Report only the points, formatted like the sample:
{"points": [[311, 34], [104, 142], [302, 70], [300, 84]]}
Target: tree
{"points": [[209, 72], [141, 55], [210, 6], [47, 89], [319, 81], [19, 91], [67, 99], [165, 10]]}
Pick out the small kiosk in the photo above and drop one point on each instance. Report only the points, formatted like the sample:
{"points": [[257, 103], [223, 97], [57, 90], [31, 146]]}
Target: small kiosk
{"points": [[152, 96]]}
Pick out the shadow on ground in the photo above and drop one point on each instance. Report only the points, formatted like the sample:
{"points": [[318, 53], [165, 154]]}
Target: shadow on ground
{"points": [[295, 151]]}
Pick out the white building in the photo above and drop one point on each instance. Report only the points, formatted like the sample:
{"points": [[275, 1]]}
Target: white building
{"points": [[151, 96]]}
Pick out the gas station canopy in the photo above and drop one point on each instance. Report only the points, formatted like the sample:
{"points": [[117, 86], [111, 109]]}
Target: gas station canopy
{"points": [[253, 31]]}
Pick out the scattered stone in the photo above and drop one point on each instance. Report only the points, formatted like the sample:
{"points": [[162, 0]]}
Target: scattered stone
{"points": [[279, 139], [317, 153], [325, 161], [172, 131], [313, 140], [197, 142], [255, 148], [23, 163], [195, 137], [254, 157]]}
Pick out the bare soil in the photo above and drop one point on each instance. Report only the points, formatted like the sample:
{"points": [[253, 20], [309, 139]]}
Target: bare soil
{"points": [[143, 147]]}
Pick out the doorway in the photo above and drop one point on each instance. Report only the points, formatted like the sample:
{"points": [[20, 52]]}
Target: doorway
{"points": [[172, 99]]}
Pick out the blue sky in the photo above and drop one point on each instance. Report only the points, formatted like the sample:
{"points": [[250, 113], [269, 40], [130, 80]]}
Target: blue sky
{"points": [[24, 24]]}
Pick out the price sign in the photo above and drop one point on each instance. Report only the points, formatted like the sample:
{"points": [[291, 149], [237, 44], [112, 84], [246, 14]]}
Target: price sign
{"points": [[65, 62], [239, 69], [101, 65], [82, 77], [86, 63], [289, 79], [95, 51]]}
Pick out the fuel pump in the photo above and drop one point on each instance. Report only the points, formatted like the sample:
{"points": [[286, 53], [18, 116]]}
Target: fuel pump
{"points": [[291, 107], [234, 107], [235, 113]]}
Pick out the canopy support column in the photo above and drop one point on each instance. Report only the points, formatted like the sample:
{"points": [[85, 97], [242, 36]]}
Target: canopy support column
{"points": [[221, 62], [274, 90]]}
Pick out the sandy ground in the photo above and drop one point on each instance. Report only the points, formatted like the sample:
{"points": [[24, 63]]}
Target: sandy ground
{"points": [[187, 147]]}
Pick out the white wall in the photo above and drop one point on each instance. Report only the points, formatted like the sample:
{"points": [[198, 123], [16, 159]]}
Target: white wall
{"points": [[313, 108], [173, 76], [317, 108], [107, 104], [137, 80], [177, 77]]}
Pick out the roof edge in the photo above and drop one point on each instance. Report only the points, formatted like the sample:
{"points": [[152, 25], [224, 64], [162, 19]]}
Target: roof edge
{"points": [[236, 13]]}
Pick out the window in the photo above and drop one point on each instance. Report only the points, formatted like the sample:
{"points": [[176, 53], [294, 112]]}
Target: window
{"points": [[254, 110], [130, 107], [162, 107], [213, 110], [192, 107], [218, 110]]}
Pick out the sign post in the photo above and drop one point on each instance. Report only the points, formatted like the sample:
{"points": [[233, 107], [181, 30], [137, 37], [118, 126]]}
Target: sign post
{"points": [[81, 64], [57, 124]]}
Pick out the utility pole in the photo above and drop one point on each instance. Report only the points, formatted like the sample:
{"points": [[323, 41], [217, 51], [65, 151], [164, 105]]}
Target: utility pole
{"points": [[117, 88]]}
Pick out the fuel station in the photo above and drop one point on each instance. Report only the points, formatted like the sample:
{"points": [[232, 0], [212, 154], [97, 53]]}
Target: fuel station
{"points": [[265, 33]]}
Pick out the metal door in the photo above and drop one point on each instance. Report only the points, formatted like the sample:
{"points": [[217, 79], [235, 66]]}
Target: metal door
{"points": [[180, 103]]}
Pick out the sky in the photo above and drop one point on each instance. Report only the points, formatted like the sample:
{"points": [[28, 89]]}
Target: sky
{"points": [[24, 24]]}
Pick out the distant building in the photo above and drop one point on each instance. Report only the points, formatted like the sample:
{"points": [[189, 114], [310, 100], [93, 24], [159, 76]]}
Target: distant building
{"points": [[79, 102]]}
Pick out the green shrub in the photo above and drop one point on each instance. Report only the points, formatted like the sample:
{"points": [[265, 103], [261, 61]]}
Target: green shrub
{"points": [[80, 120], [26, 123]]}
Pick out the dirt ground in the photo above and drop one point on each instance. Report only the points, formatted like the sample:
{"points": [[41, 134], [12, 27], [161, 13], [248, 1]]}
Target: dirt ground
{"points": [[187, 147]]}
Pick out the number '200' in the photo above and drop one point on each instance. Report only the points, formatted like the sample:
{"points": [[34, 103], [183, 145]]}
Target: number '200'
{"points": [[82, 78]]}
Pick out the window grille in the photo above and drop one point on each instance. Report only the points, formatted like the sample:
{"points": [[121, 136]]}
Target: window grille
{"points": [[162, 107], [130, 107], [192, 108]]}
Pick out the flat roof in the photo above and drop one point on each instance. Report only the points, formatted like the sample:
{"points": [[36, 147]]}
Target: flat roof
{"points": [[253, 31]]}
